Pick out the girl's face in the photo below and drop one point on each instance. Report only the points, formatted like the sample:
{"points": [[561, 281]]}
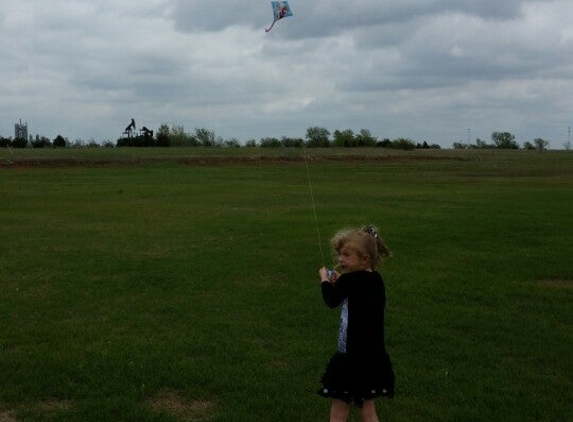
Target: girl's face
{"points": [[350, 260]]}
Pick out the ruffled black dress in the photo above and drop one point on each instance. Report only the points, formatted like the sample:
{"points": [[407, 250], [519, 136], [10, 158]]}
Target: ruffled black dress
{"points": [[361, 369]]}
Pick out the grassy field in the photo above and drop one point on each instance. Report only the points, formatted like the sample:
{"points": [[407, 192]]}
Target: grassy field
{"points": [[180, 285]]}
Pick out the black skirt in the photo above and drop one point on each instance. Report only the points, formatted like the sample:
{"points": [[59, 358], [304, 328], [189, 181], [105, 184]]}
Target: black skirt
{"points": [[358, 378]]}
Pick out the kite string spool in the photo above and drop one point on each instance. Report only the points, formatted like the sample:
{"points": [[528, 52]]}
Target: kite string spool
{"points": [[313, 206]]}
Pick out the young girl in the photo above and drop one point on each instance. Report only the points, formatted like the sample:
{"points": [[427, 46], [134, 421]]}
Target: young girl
{"points": [[361, 368]]}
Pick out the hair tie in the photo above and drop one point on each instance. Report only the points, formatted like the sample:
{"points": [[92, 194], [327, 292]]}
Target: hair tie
{"points": [[371, 230]]}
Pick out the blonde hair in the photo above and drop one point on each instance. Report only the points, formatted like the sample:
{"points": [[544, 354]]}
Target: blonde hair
{"points": [[364, 241]]}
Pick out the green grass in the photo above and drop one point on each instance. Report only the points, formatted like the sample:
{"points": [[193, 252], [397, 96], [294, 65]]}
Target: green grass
{"points": [[136, 288]]}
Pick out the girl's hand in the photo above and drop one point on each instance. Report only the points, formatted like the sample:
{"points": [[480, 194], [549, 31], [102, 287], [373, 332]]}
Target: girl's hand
{"points": [[323, 274], [326, 275]]}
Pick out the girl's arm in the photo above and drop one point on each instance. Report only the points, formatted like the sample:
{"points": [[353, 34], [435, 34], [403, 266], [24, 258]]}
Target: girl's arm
{"points": [[332, 293]]}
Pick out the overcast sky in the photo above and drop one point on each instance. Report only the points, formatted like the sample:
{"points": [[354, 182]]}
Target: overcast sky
{"points": [[429, 70]]}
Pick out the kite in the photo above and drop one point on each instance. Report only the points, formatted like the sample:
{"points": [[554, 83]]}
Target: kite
{"points": [[281, 9]]}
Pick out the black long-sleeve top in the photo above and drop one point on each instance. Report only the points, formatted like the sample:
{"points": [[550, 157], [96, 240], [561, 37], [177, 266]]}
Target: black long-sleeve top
{"points": [[366, 296]]}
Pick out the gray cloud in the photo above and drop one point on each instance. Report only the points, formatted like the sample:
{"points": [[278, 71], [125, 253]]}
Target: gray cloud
{"points": [[425, 69], [327, 17]]}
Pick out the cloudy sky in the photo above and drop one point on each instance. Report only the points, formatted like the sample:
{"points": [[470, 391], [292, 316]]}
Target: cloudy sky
{"points": [[429, 70]]}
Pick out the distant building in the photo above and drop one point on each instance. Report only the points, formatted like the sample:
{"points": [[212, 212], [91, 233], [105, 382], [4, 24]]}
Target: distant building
{"points": [[21, 130]]}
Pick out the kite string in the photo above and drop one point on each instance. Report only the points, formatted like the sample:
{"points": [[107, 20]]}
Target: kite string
{"points": [[313, 206]]}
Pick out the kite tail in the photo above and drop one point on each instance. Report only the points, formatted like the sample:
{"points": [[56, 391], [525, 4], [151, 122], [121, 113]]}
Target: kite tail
{"points": [[270, 27]]}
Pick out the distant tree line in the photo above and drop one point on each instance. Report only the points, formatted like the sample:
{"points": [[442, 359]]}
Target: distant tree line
{"points": [[503, 140], [316, 137], [44, 142], [176, 136]]}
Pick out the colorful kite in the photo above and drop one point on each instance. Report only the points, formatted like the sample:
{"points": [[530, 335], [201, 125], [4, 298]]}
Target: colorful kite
{"points": [[281, 9]]}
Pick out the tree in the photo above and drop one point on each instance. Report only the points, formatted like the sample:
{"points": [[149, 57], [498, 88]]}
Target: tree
{"points": [[205, 137], [386, 143], [173, 136], [343, 138], [504, 140], [482, 144], [403, 143], [92, 143], [317, 137], [540, 144], [41, 142], [19, 143], [270, 143], [163, 135], [178, 137], [292, 142], [365, 139], [232, 143], [59, 142]]}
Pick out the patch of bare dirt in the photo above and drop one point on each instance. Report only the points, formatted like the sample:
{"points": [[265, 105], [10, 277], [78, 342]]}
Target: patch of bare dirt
{"points": [[556, 283], [47, 406], [187, 410], [55, 405], [6, 417]]}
